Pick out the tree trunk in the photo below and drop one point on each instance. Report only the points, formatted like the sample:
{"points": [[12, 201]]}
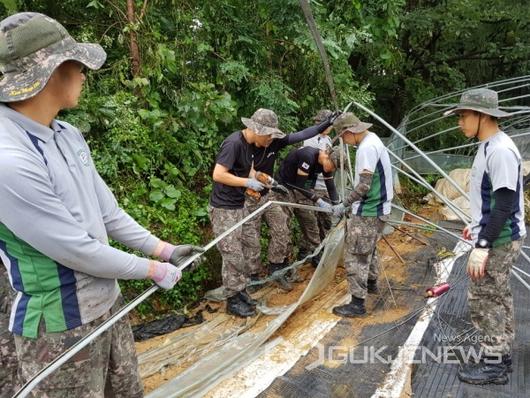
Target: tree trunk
{"points": [[133, 40]]}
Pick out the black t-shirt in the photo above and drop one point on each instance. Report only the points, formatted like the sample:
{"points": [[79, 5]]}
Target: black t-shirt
{"points": [[236, 155], [305, 159]]}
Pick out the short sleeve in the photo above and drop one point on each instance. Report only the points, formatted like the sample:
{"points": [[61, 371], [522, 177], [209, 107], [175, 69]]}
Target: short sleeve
{"points": [[503, 169], [304, 161], [367, 158], [228, 154]]}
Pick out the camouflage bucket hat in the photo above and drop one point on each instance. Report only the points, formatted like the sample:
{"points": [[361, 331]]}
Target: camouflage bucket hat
{"points": [[32, 46], [334, 155], [481, 100], [264, 122], [349, 122], [322, 115]]}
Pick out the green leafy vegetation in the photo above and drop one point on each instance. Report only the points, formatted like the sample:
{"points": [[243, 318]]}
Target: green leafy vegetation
{"points": [[179, 75]]}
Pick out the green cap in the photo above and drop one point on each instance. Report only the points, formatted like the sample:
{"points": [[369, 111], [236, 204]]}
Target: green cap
{"points": [[32, 46], [349, 122], [481, 100]]}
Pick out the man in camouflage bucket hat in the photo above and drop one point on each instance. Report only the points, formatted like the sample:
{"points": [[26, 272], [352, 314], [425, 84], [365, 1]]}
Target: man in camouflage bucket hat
{"points": [[32, 47], [241, 155], [497, 230], [278, 251], [56, 217], [370, 203]]}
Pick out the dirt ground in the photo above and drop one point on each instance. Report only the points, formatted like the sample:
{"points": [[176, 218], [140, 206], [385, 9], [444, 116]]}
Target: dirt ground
{"points": [[394, 273]]}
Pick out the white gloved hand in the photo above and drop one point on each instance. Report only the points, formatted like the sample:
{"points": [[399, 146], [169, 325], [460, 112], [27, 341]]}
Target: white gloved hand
{"points": [[254, 184], [338, 210], [164, 275], [323, 204], [476, 263]]}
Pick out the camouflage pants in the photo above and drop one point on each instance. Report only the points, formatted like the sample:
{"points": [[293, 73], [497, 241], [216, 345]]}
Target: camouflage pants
{"points": [[8, 353], [490, 300], [279, 234], [235, 270], [307, 220], [323, 219], [361, 260], [106, 367]]}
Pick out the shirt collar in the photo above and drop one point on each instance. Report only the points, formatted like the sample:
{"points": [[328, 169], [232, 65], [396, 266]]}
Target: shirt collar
{"points": [[42, 132]]}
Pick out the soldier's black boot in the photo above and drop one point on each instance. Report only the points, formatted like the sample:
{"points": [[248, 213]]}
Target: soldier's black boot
{"points": [[283, 283], [353, 309], [247, 299], [315, 260], [486, 371], [507, 360], [372, 286], [236, 305], [302, 253]]}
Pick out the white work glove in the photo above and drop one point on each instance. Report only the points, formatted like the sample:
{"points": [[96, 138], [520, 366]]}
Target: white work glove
{"points": [[476, 263], [323, 204], [164, 275], [254, 184], [339, 210], [182, 253]]}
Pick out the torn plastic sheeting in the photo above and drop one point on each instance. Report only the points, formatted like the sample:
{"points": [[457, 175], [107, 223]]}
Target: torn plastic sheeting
{"points": [[201, 340], [232, 356]]}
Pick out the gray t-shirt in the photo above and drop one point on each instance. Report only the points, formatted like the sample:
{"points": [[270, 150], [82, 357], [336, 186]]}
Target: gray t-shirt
{"points": [[497, 164], [56, 214]]}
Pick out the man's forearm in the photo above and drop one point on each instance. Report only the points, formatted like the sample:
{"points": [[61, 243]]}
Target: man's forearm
{"points": [[360, 190], [501, 212], [229, 179], [307, 133]]}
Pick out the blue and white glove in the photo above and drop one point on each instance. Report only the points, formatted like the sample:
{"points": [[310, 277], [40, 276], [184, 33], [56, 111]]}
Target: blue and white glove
{"points": [[254, 184], [323, 204]]}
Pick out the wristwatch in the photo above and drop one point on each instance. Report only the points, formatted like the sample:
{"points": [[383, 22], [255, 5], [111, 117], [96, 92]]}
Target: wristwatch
{"points": [[483, 244]]}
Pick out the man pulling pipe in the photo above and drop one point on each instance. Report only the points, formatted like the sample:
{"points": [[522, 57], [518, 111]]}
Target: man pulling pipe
{"points": [[370, 202], [56, 217]]}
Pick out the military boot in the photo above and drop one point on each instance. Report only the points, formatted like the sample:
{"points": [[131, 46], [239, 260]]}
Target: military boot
{"points": [[283, 283], [302, 253], [236, 305], [247, 299], [372, 286], [484, 372], [315, 260], [353, 309], [507, 360]]}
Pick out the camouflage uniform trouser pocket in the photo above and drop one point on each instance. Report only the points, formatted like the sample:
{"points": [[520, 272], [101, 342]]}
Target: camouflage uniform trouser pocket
{"points": [[490, 300], [235, 270], [361, 260], [106, 367]]}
